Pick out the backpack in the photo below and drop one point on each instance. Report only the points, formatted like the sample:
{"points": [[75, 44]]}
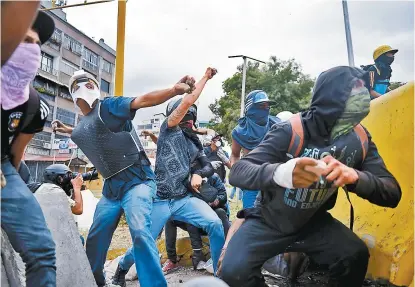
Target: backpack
{"points": [[297, 142]]}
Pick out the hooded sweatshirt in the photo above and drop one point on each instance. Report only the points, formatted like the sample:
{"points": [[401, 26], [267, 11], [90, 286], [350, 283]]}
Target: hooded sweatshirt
{"points": [[328, 130]]}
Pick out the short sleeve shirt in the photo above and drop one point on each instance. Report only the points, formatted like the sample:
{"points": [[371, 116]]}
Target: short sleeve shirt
{"points": [[13, 121], [117, 115]]}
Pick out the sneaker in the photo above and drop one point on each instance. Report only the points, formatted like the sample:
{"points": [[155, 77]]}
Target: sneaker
{"points": [[209, 266], [198, 260], [169, 266], [119, 277]]}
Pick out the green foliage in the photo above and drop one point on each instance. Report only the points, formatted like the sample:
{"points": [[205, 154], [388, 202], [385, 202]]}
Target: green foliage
{"points": [[395, 85], [283, 81]]}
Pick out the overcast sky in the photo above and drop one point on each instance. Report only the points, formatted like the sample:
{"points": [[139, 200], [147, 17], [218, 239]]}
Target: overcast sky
{"points": [[168, 39]]}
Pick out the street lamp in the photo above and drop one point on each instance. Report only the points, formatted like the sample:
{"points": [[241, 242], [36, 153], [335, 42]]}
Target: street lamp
{"points": [[348, 34], [244, 78]]}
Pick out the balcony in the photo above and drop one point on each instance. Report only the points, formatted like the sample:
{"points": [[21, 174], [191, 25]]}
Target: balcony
{"points": [[90, 67], [47, 72], [44, 89]]}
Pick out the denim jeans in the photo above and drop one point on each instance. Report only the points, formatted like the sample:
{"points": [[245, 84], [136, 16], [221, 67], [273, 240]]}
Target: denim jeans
{"points": [[249, 197], [187, 209], [23, 221], [137, 205]]}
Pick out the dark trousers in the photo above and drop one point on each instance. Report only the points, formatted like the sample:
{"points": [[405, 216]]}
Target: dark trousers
{"points": [[326, 240], [195, 233]]}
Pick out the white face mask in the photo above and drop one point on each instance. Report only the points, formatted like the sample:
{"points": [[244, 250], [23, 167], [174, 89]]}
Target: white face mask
{"points": [[86, 91], [218, 144]]}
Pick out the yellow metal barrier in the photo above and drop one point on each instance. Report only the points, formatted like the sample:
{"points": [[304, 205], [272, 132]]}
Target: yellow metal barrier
{"points": [[389, 233]]}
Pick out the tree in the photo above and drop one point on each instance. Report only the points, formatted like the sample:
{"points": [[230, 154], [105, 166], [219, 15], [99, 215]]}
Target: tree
{"points": [[283, 81]]}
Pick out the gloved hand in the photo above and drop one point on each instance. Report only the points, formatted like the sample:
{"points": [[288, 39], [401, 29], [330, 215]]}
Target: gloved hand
{"points": [[221, 154], [216, 164]]}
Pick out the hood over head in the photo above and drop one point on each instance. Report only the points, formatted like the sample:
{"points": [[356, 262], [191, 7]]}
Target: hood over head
{"points": [[330, 94]]}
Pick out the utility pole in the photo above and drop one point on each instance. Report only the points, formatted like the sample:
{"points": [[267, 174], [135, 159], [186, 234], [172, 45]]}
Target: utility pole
{"points": [[348, 34], [244, 79]]}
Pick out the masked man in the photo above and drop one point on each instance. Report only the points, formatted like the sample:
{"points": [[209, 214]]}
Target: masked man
{"points": [[381, 72], [178, 149], [216, 155], [250, 131], [23, 114], [299, 167], [106, 135]]}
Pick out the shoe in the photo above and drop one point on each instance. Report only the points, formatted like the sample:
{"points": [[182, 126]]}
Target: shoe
{"points": [[209, 266], [198, 260], [169, 266], [119, 277]]}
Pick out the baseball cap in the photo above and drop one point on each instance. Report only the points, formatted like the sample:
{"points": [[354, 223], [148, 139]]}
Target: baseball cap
{"points": [[44, 26]]}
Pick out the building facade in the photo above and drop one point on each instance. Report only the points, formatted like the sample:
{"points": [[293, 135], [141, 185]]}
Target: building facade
{"points": [[67, 51], [151, 125]]}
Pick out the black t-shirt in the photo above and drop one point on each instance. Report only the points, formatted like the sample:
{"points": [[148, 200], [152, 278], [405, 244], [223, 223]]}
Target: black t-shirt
{"points": [[28, 118]]}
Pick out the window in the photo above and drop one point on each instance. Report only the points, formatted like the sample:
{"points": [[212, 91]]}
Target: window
{"points": [[105, 86], [72, 45], [65, 116], [106, 66], [61, 137], [46, 63], [79, 118], [68, 68], [90, 59], [41, 138], [56, 37], [48, 124]]}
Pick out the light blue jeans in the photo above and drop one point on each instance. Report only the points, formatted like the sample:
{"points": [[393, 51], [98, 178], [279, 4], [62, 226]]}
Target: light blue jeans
{"points": [[249, 197], [23, 221], [137, 205], [187, 209]]}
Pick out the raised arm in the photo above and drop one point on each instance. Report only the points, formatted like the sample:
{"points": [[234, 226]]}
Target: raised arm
{"points": [[185, 85], [178, 114]]}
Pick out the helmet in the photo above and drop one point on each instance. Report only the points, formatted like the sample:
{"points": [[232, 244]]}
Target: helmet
{"points": [[382, 50], [284, 115], [255, 97], [191, 113], [52, 173], [83, 85]]}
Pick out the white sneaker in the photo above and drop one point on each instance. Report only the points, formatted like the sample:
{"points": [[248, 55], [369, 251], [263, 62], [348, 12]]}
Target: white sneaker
{"points": [[201, 265], [209, 266]]}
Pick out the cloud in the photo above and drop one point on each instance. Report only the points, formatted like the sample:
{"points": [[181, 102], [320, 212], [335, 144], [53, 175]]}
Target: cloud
{"points": [[166, 40]]}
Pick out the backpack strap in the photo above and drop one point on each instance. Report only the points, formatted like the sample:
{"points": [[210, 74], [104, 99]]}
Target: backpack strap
{"points": [[33, 105], [297, 137], [364, 140]]}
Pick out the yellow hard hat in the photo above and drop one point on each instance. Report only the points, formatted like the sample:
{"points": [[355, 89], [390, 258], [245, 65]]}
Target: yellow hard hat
{"points": [[382, 50]]}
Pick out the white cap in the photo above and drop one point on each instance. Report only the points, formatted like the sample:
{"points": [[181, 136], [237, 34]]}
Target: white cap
{"points": [[284, 115]]}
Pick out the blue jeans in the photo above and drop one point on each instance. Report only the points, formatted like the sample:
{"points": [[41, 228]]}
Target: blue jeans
{"points": [[187, 209], [23, 221], [248, 197], [137, 205]]}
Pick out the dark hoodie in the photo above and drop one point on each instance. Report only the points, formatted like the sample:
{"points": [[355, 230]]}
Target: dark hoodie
{"points": [[288, 210]]}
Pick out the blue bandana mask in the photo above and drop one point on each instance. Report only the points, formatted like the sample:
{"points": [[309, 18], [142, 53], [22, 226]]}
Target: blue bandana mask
{"points": [[258, 115]]}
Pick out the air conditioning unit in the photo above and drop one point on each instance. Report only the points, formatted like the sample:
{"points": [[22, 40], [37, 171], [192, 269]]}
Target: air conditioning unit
{"points": [[47, 145]]}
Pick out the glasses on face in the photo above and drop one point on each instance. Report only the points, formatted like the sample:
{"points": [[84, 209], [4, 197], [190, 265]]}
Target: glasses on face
{"points": [[90, 84], [264, 105]]}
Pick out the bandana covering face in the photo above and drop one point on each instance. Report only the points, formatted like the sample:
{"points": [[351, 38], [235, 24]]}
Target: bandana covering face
{"points": [[85, 89], [357, 108], [17, 74], [252, 128]]}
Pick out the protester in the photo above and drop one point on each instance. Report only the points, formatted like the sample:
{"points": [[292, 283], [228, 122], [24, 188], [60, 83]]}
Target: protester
{"points": [[250, 131], [332, 150], [177, 147], [380, 72], [106, 136], [23, 114], [16, 18], [195, 234], [216, 155]]}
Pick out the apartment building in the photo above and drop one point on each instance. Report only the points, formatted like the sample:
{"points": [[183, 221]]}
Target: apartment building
{"points": [[67, 51]]}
